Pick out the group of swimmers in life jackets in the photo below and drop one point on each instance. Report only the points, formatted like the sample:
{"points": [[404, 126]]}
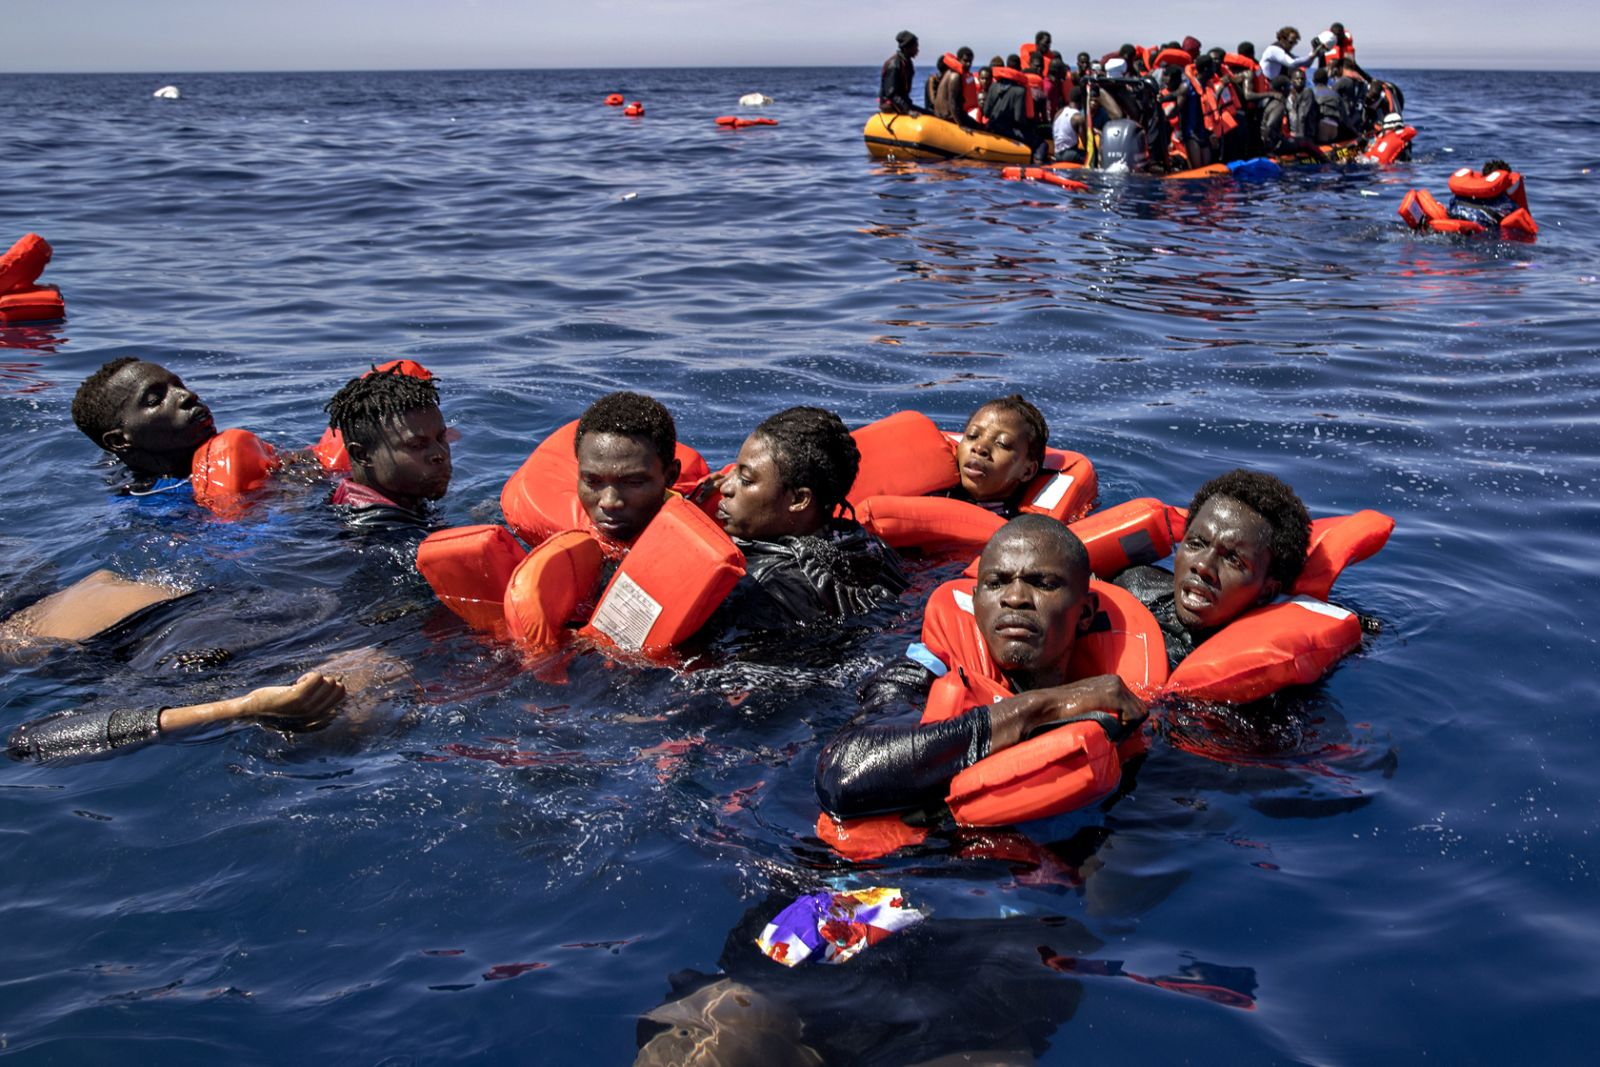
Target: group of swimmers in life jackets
{"points": [[1195, 107], [1002, 655]]}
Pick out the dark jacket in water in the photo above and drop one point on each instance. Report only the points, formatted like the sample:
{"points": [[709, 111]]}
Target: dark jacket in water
{"points": [[842, 571]]}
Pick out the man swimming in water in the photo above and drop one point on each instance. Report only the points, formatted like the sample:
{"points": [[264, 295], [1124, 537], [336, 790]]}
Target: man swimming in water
{"points": [[1031, 603], [626, 445], [1246, 542], [399, 449], [144, 415], [782, 505]]}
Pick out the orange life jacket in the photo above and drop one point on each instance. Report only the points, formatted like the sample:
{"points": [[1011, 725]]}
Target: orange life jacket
{"points": [[329, 449], [969, 91], [905, 457], [23, 262], [1172, 57], [1016, 77], [228, 466], [1387, 148], [468, 568], [1208, 101], [41, 303], [1060, 769], [667, 586], [1340, 49], [541, 498], [614, 100]]}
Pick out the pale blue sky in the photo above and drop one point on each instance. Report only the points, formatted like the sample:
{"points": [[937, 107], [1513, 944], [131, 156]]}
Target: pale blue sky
{"points": [[177, 36]]}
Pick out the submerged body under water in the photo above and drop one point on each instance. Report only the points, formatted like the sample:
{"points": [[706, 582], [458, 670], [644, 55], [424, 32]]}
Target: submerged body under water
{"points": [[1397, 862]]}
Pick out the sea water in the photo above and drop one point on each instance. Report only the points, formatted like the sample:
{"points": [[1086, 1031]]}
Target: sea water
{"points": [[1395, 865]]}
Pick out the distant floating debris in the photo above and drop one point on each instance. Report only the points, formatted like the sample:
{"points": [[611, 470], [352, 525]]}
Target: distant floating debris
{"points": [[754, 100], [167, 92], [634, 110]]}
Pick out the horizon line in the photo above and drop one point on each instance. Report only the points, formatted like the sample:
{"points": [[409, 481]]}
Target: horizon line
{"points": [[694, 66]]}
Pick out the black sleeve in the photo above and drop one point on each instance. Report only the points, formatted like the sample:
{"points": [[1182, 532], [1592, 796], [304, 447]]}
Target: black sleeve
{"points": [[79, 734], [885, 760]]}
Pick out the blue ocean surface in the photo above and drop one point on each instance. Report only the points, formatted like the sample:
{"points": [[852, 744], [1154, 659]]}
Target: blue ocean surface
{"points": [[1397, 865]]}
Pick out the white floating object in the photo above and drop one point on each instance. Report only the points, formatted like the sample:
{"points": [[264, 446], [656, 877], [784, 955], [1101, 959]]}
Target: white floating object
{"points": [[1369, 192], [630, 196], [167, 92], [754, 100]]}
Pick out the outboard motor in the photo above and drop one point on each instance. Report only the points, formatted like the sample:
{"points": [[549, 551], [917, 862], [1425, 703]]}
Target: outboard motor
{"points": [[1123, 141]]}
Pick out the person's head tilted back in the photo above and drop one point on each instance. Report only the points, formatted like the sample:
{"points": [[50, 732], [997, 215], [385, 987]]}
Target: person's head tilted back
{"points": [[1001, 448], [627, 446], [791, 476], [1245, 543], [144, 415], [395, 434]]}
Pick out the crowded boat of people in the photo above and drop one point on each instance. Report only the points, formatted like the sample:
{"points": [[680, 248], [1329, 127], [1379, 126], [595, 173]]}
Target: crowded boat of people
{"points": [[1175, 108]]}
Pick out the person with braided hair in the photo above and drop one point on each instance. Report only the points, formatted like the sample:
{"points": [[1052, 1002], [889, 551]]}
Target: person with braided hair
{"points": [[806, 558], [399, 449]]}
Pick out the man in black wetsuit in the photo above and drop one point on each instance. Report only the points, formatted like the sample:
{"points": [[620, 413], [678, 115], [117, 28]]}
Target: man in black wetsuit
{"points": [[399, 449], [1031, 602], [1245, 542], [899, 72]]}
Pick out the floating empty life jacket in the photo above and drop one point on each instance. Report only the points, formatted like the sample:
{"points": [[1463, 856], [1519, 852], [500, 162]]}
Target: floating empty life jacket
{"points": [[230, 465], [23, 262], [1482, 203], [634, 109], [667, 586], [1388, 146], [1067, 766], [329, 449], [469, 568], [614, 100], [1041, 174], [737, 123], [906, 456], [40, 303], [541, 498]]}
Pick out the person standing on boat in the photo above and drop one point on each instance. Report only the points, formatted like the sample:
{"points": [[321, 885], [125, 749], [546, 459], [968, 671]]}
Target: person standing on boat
{"points": [[899, 74], [1279, 56]]}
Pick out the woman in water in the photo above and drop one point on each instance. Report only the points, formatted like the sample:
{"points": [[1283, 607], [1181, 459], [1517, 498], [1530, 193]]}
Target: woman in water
{"points": [[784, 506]]}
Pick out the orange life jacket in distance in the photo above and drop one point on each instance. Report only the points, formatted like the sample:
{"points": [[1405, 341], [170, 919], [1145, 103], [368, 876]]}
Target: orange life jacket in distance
{"points": [[23, 262]]}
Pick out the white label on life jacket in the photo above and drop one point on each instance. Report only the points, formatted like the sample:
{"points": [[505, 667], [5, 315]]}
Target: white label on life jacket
{"points": [[1321, 607], [626, 613], [1052, 493], [963, 600]]}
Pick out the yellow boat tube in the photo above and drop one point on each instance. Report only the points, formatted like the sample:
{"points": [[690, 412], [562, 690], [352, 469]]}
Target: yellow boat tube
{"points": [[891, 136]]}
